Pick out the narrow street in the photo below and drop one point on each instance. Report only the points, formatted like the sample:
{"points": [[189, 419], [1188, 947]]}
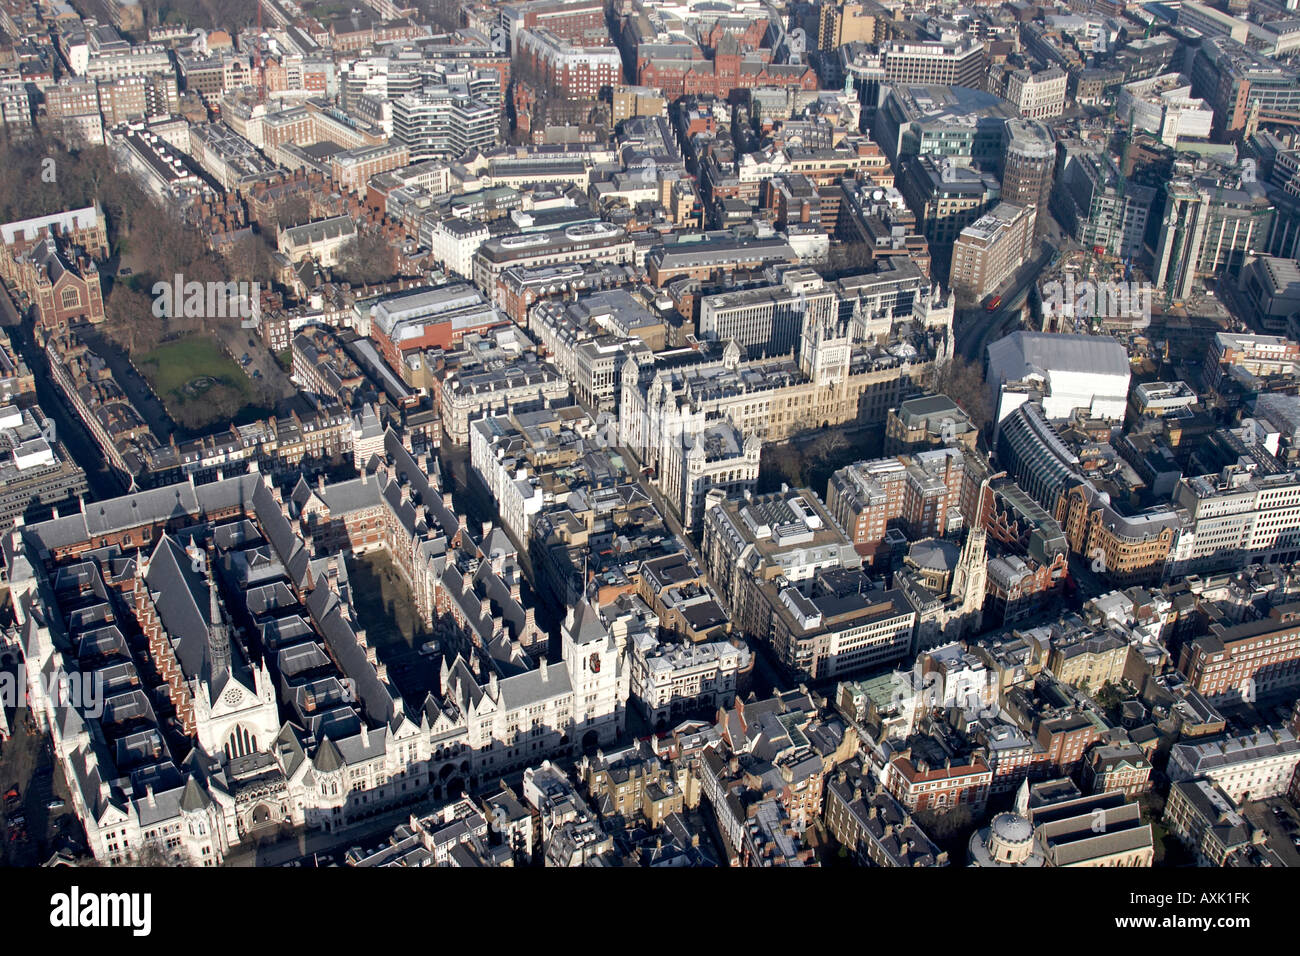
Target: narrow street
{"points": [[976, 328], [71, 432]]}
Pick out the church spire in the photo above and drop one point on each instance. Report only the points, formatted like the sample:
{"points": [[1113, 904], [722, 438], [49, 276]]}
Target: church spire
{"points": [[218, 632]]}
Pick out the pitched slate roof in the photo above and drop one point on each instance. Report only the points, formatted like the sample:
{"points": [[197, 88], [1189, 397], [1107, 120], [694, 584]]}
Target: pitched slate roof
{"points": [[328, 758]]}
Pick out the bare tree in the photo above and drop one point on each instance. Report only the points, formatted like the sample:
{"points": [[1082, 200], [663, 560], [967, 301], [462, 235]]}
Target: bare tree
{"points": [[369, 258], [154, 853], [963, 382], [288, 212], [828, 444]]}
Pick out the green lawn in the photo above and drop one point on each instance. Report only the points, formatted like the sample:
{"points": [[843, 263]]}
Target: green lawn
{"points": [[172, 366], [197, 381]]}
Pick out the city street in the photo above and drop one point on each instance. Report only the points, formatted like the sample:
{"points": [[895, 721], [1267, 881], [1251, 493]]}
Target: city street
{"points": [[71, 432], [977, 327]]}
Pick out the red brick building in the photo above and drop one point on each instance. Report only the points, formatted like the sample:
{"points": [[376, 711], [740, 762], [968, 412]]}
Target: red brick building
{"points": [[580, 21], [1066, 739], [1246, 660], [579, 71], [918, 785], [738, 63], [65, 292]]}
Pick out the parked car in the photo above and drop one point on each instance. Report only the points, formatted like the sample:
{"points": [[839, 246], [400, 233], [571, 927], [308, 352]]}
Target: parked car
{"points": [[55, 804]]}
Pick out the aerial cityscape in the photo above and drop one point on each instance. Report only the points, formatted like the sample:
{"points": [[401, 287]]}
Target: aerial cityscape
{"points": [[613, 433]]}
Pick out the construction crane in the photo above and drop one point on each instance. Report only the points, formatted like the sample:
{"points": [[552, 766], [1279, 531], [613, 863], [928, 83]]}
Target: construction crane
{"points": [[1123, 182], [1175, 269], [259, 64], [1123, 171]]}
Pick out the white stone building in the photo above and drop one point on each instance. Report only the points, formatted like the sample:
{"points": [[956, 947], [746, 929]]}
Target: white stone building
{"points": [[1253, 767]]}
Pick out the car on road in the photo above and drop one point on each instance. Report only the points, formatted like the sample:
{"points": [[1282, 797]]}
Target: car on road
{"points": [[429, 648], [993, 303], [55, 804]]}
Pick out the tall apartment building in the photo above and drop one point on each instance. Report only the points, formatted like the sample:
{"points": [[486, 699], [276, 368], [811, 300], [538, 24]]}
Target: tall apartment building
{"points": [[851, 22], [15, 102], [991, 248], [443, 121], [71, 97], [1028, 164], [1210, 228]]}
